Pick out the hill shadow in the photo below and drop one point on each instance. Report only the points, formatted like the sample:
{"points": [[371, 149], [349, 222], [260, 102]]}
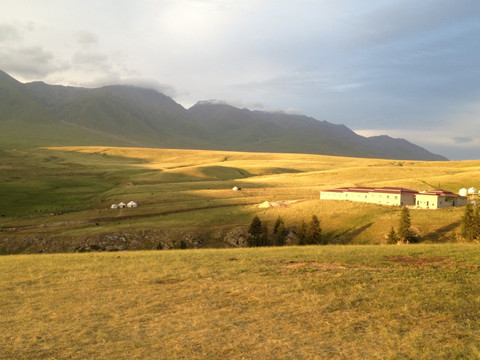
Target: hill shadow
{"points": [[224, 172], [442, 234], [346, 236]]}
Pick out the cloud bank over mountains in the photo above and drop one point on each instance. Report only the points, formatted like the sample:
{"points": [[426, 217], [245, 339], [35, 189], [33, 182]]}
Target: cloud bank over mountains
{"points": [[405, 68]]}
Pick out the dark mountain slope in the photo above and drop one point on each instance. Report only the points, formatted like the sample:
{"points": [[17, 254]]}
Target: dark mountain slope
{"points": [[40, 114], [260, 131], [141, 115]]}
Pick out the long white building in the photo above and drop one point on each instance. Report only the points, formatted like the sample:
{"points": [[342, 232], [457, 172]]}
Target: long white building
{"points": [[395, 196]]}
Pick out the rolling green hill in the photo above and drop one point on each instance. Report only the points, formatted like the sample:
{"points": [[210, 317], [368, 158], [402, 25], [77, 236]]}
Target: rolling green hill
{"points": [[58, 199], [44, 115]]}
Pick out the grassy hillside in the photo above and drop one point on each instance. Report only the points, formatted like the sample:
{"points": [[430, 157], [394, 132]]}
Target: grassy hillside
{"points": [[54, 195], [334, 302]]}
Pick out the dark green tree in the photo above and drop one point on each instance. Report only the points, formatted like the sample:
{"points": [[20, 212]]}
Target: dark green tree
{"points": [[279, 233], [476, 222], [255, 232], [469, 223], [182, 245], [392, 236], [265, 240], [405, 233], [302, 233], [314, 232]]}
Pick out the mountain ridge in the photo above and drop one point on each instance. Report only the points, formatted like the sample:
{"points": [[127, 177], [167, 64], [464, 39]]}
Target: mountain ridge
{"points": [[118, 115]]}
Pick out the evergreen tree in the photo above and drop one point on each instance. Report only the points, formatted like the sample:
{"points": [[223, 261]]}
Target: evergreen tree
{"points": [[468, 222], [392, 236], [279, 233], [265, 240], [255, 232], [314, 232], [302, 233], [404, 232], [476, 222]]}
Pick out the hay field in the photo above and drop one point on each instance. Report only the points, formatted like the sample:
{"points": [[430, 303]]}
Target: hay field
{"points": [[323, 302], [65, 192]]}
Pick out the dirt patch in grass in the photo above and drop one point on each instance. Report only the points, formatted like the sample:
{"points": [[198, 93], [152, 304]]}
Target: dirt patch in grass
{"points": [[425, 262], [315, 266]]}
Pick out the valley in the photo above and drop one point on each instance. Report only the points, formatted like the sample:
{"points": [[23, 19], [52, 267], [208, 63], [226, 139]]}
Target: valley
{"points": [[57, 199]]}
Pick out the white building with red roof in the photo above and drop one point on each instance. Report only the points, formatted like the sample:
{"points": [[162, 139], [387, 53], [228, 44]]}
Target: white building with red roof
{"points": [[384, 195], [435, 199], [395, 196]]}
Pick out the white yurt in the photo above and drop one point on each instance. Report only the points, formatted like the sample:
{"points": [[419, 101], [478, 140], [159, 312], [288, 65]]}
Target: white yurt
{"points": [[463, 192], [472, 191], [122, 205], [132, 204], [114, 206]]}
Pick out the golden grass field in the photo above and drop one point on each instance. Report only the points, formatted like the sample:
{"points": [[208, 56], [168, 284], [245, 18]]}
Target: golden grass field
{"points": [[314, 302], [64, 193]]}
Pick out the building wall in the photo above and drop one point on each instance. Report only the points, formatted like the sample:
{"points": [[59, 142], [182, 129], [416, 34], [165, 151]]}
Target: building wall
{"points": [[370, 197], [427, 201], [330, 195], [437, 202], [396, 199]]}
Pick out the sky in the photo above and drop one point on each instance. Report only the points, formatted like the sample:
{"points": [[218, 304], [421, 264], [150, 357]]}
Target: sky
{"points": [[404, 68]]}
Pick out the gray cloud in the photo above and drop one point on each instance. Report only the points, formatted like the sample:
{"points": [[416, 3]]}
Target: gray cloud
{"points": [[462, 140], [85, 37], [165, 89], [9, 33], [91, 60], [32, 61]]}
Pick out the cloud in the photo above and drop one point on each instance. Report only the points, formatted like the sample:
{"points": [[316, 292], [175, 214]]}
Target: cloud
{"points": [[293, 111], [31, 61], [9, 33], [165, 89], [85, 37], [91, 61], [462, 139]]}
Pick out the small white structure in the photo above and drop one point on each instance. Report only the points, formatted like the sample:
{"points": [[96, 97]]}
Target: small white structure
{"points": [[472, 191], [236, 188], [114, 206], [463, 192], [132, 204], [122, 205]]}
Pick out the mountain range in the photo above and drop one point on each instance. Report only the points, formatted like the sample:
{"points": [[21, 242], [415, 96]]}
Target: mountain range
{"points": [[38, 114]]}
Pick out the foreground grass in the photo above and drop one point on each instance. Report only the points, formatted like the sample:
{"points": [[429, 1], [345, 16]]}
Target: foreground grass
{"points": [[333, 302]]}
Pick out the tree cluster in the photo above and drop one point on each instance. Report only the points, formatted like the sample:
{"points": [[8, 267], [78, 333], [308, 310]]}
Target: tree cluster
{"points": [[471, 223], [258, 234], [404, 233]]}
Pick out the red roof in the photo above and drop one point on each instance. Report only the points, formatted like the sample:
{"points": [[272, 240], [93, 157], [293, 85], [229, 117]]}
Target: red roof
{"points": [[367, 189], [439, 192]]}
